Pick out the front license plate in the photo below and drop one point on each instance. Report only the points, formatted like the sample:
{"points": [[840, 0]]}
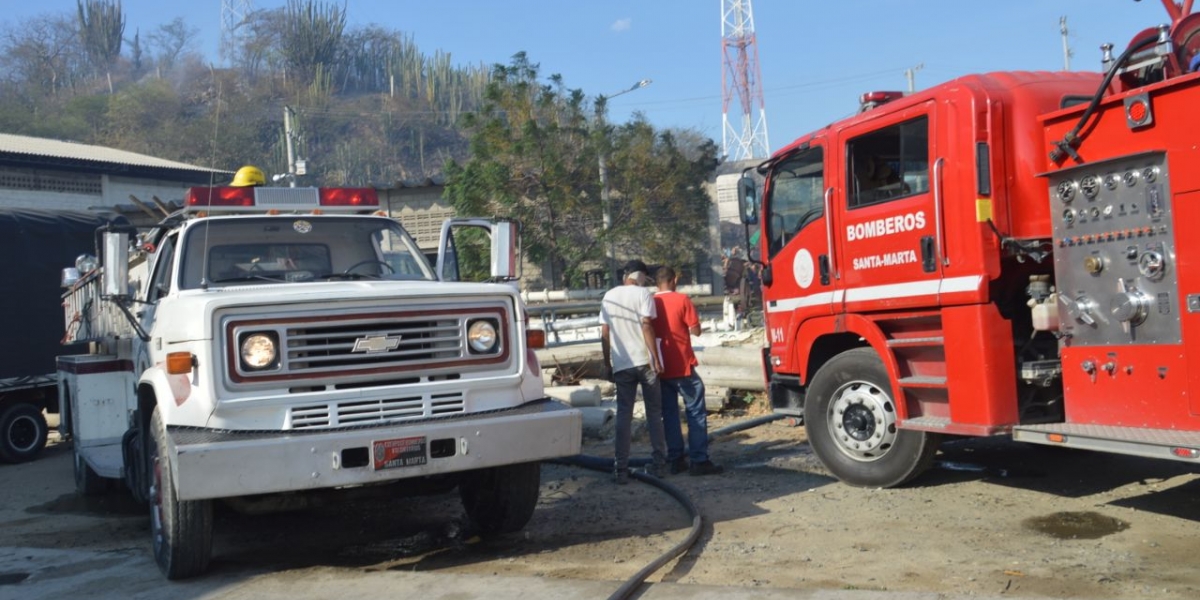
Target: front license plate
{"points": [[404, 452]]}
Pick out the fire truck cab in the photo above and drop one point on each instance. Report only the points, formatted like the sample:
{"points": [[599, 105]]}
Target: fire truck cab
{"points": [[917, 257]]}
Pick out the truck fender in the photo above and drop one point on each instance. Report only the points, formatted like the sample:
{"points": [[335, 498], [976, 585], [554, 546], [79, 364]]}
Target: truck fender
{"points": [[818, 340], [171, 392]]}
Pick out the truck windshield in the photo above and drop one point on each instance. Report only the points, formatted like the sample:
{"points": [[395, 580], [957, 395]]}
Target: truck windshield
{"points": [[254, 250], [796, 196]]}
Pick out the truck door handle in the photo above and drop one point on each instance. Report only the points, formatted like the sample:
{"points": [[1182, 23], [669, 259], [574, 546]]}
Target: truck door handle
{"points": [[823, 268], [928, 258]]}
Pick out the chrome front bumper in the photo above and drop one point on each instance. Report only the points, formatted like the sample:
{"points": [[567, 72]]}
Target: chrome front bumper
{"points": [[219, 464]]}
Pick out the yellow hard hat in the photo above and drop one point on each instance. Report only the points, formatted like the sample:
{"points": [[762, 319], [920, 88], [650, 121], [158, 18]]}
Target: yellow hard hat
{"points": [[248, 176]]}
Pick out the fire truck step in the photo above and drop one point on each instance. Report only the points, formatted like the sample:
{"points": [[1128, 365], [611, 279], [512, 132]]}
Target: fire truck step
{"points": [[926, 423], [1137, 441], [923, 341], [923, 382]]}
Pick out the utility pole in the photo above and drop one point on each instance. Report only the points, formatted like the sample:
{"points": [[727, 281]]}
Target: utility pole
{"points": [[911, 75], [605, 192], [291, 153], [1062, 28]]}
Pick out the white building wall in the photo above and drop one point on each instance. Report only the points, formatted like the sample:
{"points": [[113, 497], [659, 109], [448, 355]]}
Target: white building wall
{"points": [[49, 190], [58, 190], [420, 210]]}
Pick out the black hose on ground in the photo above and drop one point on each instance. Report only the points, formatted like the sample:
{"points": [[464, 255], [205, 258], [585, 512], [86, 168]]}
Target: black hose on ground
{"points": [[605, 465]]}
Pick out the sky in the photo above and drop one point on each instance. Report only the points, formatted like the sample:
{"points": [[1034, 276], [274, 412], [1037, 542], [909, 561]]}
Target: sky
{"points": [[817, 57]]}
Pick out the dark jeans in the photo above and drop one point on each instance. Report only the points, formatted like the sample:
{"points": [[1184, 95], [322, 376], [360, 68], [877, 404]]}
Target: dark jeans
{"points": [[692, 390], [627, 381]]}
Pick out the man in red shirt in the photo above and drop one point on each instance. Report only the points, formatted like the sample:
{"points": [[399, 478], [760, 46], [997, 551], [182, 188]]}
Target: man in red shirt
{"points": [[675, 322]]}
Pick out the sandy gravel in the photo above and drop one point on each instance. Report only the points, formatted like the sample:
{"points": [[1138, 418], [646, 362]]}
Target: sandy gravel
{"points": [[997, 518]]}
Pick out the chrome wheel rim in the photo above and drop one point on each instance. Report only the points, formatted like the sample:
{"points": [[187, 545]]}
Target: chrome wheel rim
{"points": [[862, 421]]}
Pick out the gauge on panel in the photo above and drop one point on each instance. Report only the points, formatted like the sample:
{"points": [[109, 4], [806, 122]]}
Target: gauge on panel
{"points": [[1066, 191], [1110, 181], [1130, 178], [1068, 217], [1090, 186], [1150, 174]]}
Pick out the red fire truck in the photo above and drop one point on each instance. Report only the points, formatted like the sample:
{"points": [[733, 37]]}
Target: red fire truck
{"points": [[1000, 254]]}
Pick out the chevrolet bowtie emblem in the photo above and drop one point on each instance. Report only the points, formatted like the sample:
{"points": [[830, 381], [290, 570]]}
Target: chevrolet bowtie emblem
{"points": [[374, 344]]}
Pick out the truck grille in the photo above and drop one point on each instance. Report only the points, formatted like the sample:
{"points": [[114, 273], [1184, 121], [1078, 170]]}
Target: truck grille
{"points": [[363, 412], [384, 347], [325, 347]]}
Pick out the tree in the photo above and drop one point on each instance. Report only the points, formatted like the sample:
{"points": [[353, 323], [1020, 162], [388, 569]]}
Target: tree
{"points": [[532, 159], [535, 155], [170, 41], [42, 56], [101, 27], [660, 208]]}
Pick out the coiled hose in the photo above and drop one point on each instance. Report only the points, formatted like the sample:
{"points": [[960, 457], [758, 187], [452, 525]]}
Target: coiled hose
{"points": [[605, 465]]}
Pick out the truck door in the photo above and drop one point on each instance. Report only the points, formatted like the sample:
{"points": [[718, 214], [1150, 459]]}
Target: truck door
{"points": [[889, 237], [802, 279]]}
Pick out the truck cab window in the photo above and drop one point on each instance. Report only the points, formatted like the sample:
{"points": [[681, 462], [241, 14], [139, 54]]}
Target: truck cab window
{"points": [[160, 285], [795, 197], [889, 163]]}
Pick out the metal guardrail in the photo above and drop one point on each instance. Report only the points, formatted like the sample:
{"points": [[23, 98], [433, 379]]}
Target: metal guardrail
{"points": [[561, 316]]}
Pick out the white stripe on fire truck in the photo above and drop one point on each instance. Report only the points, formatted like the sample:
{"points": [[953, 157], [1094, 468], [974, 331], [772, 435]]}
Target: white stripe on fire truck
{"points": [[909, 289]]}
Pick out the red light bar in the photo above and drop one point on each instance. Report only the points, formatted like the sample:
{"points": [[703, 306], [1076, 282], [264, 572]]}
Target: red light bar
{"points": [[880, 97], [1185, 452], [220, 196], [349, 197]]}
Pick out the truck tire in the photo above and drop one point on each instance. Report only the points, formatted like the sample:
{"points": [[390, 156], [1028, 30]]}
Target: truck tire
{"points": [[181, 529], [87, 482], [23, 432], [850, 419], [501, 499]]}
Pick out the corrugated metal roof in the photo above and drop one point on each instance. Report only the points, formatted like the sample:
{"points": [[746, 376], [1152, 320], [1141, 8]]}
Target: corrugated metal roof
{"points": [[20, 144]]}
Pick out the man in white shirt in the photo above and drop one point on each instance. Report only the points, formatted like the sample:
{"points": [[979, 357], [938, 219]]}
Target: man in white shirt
{"points": [[631, 358]]}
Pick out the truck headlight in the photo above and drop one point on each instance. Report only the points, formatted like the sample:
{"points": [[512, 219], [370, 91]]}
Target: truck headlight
{"points": [[481, 337], [259, 351]]}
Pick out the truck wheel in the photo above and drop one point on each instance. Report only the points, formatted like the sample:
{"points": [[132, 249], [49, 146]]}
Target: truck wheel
{"points": [[851, 424], [87, 482], [181, 529], [23, 432], [501, 499]]}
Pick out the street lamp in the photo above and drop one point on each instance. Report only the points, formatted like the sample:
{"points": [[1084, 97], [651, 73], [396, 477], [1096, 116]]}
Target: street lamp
{"points": [[602, 128]]}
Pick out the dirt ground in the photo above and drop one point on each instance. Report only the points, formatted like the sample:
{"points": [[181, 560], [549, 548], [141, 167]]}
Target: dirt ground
{"points": [[993, 518]]}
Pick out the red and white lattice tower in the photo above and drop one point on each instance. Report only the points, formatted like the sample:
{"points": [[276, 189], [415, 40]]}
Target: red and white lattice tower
{"points": [[744, 135]]}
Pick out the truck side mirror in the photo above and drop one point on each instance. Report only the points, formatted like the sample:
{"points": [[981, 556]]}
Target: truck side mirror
{"points": [[506, 241], [115, 282], [468, 246], [747, 200]]}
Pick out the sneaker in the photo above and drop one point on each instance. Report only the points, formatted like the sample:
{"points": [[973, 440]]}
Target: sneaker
{"points": [[705, 468], [621, 477], [679, 465]]}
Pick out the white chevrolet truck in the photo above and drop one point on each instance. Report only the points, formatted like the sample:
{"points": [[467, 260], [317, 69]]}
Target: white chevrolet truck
{"points": [[274, 341]]}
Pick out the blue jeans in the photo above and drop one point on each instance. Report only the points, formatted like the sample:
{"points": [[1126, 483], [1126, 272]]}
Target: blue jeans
{"points": [[627, 381], [692, 390]]}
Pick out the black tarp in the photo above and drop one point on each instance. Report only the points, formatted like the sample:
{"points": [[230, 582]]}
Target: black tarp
{"points": [[35, 246]]}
